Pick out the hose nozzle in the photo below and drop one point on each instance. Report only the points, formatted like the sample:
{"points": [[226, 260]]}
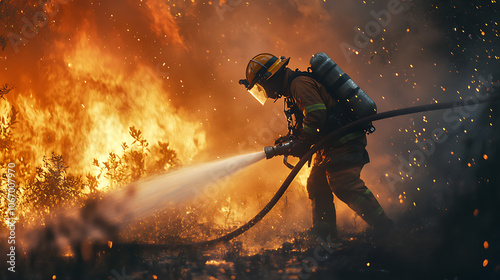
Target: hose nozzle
{"points": [[278, 150]]}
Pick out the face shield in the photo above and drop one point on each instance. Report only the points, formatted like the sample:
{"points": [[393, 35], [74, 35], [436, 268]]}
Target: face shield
{"points": [[259, 70], [259, 93]]}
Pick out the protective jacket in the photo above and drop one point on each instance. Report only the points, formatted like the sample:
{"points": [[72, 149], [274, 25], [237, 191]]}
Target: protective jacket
{"points": [[317, 107]]}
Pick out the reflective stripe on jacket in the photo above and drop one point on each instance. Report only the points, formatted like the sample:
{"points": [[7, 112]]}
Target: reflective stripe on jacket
{"points": [[313, 101]]}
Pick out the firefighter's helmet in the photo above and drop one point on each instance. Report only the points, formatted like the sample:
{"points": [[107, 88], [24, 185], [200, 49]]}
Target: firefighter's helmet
{"points": [[260, 68]]}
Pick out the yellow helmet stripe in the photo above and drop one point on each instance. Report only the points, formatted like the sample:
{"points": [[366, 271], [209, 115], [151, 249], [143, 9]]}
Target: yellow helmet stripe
{"points": [[274, 65]]}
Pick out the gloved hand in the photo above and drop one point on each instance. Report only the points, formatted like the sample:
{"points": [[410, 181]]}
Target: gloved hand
{"points": [[282, 139], [299, 148]]}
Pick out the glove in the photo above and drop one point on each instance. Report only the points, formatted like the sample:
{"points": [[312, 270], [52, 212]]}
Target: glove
{"points": [[299, 148], [282, 139]]}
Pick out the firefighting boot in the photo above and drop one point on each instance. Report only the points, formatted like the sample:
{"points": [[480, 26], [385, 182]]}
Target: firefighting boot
{"points": [[324, 217], [323, 210]]}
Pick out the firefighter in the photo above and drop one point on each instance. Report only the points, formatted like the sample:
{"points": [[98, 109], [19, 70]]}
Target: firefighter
{"points": [[338, 164]]}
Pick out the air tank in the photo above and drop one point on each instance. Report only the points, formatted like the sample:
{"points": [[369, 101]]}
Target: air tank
{"points": [[342, 87]]}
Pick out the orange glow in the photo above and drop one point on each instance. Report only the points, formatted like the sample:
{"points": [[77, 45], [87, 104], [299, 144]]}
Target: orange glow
{"points": [[476, 212], [486, 245], [485, 262], [162, 21], [108, 99]]}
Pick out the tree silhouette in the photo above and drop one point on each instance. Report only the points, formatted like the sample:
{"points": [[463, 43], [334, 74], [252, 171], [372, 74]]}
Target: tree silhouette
{"points": [[7, 123], [6, 88], [137, 161], [166, 158], [52, 186], [8, 119]]}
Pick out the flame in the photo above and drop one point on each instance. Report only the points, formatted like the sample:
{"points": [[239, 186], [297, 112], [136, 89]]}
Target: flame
{"points": [[302, 177], [163, 22], [92, 101]]}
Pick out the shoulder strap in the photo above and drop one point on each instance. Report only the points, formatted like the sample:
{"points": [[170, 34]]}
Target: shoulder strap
{"points": [[296, 74]]}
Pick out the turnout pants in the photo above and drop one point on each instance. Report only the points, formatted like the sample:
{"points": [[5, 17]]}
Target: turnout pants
{"points": [[337, 169]]}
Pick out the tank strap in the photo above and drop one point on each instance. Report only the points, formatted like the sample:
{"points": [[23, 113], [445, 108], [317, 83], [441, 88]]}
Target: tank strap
{"points": [[296, 74], [340, 82]]}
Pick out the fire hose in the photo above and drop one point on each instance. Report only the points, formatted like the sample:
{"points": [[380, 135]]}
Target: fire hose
{"points": [[286, 183]]}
